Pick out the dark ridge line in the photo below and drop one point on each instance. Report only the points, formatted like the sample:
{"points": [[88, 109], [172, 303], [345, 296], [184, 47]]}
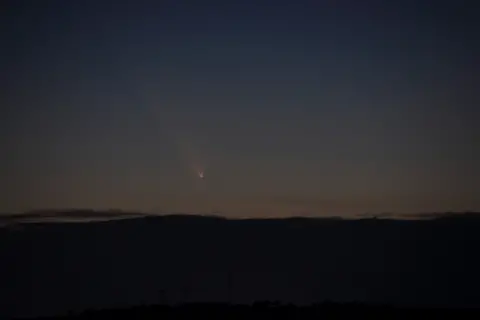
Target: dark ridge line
{"points": [[45, 217], [262, 308]]}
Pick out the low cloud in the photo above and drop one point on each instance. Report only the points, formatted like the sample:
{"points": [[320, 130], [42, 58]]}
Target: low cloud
{"points": [[65, 216]]}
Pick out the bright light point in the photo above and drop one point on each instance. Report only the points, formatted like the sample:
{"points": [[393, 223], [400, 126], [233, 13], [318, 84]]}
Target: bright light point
{"points": [[201, 175]]}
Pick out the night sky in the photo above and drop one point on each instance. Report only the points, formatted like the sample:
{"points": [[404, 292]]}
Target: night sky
{"points": [[289, 107]]}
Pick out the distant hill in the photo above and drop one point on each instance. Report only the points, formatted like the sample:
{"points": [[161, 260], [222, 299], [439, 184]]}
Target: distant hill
{"points": [[52, 268], [87, 215]]}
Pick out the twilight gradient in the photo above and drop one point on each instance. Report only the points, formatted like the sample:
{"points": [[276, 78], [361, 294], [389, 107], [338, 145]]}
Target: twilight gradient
{"points": [[290, 107]]}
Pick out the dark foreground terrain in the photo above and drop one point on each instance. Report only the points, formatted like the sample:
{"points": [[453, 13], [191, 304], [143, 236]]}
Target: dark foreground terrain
{"points": [[56, 268], [266, 310]]}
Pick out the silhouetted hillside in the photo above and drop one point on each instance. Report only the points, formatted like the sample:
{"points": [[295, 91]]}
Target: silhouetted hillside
{"points": [[55, 268], [266, 309]]}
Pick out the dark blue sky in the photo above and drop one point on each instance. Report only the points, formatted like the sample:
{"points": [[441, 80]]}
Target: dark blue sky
{"points": [[290, 107]]}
